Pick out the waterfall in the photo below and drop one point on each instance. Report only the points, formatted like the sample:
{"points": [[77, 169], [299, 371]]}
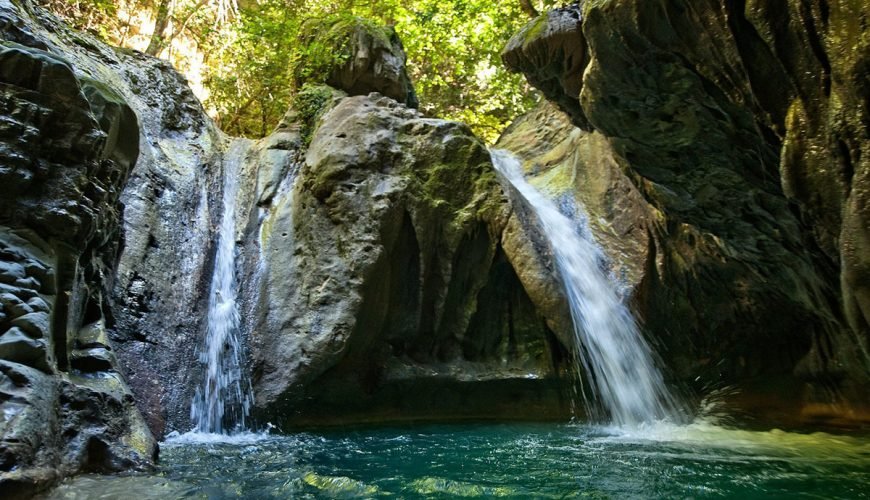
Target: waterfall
{"points": [[614, 355], [222, 403]]}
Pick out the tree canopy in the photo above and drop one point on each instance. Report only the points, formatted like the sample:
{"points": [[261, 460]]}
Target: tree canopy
{"points": [[246, 52]]}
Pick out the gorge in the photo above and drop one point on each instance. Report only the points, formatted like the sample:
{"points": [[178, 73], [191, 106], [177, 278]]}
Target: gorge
{"points": [[366, 264]]}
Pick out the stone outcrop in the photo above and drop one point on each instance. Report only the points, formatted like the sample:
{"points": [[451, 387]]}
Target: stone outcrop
{"points": [[386, 292], [67, 145], [743, 128], [552, 59], [375, 282], [149, 297], [357, 56]]}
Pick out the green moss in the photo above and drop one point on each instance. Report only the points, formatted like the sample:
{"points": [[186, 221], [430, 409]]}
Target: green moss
{"points": [[328, 43], [534, 29], [310, 103], [460, 188]]}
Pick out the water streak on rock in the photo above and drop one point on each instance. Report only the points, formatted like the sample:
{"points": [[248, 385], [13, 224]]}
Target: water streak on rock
{"points": [[615, 357], [224, 400]]}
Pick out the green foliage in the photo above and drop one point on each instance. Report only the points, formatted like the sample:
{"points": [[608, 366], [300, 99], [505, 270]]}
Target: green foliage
{"points": [[256, 63], [247, 72], [325, 43], [453, 49], [98, 17], [454, 58]]}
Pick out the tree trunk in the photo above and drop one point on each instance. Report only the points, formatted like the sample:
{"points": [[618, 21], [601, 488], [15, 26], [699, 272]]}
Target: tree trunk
{"points": [[528, 8], [157, 42]]}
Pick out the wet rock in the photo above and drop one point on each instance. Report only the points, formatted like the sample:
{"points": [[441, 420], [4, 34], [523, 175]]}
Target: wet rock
{"points": [[93, 335], [11, 271], [91, 360], [102, 429], [16, 346], [37, 304], [68, 141], [749, 159], [14, 305], [28, 431], [34, 324]]}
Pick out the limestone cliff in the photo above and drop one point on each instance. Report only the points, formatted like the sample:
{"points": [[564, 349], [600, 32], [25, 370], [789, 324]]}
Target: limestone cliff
{"points": [[734, 135], [68, 142]]}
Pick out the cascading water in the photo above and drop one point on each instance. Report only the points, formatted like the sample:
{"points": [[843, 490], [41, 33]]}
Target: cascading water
{"points": [[223, 402], [617, 360]]}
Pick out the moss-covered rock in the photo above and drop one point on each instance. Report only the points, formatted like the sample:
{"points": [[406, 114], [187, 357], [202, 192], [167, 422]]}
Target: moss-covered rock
{"points": [[354, 55]]}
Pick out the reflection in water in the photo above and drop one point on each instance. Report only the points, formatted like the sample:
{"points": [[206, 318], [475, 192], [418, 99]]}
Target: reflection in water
{"points": [[511, 460]]}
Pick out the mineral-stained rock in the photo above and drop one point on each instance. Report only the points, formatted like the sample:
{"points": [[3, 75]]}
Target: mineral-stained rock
{"points": [[744, 128]]}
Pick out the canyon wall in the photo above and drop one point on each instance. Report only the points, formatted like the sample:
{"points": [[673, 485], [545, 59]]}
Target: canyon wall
{"points": [[725, 144]]}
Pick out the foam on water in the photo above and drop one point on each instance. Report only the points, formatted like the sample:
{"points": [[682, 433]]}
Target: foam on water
{"points": [[207, 438]]}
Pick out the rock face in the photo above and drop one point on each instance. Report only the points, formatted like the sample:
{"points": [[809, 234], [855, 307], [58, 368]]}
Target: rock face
{"points": [[357, 56], [149, 298], [374, 256], [386, 290], [552, 59], [337, 212], [739, 132], [67, 145]]}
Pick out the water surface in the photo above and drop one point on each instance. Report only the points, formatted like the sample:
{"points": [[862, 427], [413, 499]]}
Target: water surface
{"points": [[508, 461]]}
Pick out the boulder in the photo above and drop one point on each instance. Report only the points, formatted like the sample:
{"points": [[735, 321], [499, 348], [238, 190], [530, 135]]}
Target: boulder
{"points": [[386, 292], [356, 56]]}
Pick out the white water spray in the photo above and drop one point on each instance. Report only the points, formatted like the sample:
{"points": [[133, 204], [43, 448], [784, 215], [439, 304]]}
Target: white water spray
{"points": [[223, 402], [615, 357]]}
